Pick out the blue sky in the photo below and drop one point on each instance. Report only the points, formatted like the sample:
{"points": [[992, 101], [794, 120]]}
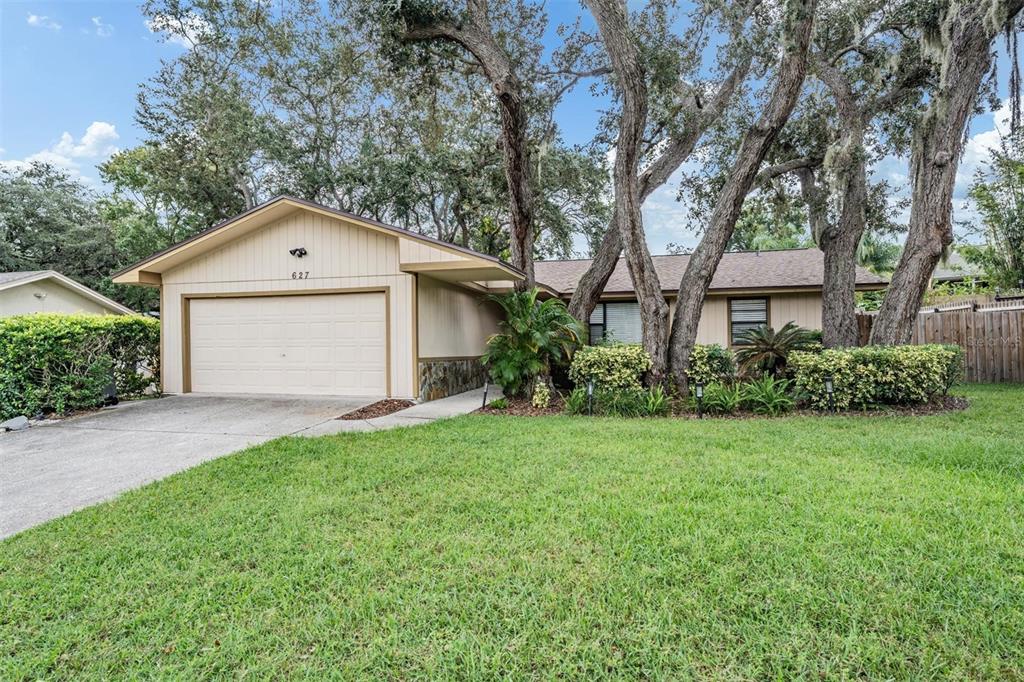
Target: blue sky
{"points": [[69, 73]]}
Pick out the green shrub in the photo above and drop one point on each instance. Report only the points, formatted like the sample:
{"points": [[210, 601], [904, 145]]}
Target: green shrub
{"points": [[64, 362], [710, 364], [499, 404], [877, 375], [534, 334], [630, 402], [613, 367], [767, 350], [576, 401], [541, 395], [719, 399], [656, 402], [766, 395]]}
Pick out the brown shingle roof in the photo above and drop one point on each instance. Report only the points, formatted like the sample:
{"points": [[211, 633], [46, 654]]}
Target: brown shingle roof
{"points": [[788, 268]]}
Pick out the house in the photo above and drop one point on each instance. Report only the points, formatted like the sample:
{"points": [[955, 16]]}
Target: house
{"points": [[749, 289], [954, 269], [293, 297], [47, 291]]}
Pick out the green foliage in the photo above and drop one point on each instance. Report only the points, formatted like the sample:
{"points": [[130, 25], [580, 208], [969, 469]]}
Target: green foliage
{"points": [[711, 364], [719, 399], [631, 402], [998, 192], [877, 375], [615, 366], [541, 395], [533, 335], [64, 362], [765, 350], [766, 395], [576, 401], [499, 404], [869, 300]]}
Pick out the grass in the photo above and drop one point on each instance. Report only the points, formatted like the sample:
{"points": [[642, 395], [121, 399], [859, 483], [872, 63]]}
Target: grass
{"points": [[482, 547]]}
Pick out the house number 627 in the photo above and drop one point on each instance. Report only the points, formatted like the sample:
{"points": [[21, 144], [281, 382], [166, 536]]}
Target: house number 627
{"points": [[300, 274]]}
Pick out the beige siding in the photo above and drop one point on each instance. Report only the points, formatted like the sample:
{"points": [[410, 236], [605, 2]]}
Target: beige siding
{"points": [[22, 300], [802, 308], [340, 257], [453, 322], [418, 252]]}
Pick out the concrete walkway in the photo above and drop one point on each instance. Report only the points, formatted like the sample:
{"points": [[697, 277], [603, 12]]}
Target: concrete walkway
{"points": [[417, 415]]}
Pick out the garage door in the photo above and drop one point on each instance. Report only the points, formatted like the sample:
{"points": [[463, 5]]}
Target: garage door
{"points": [[329, 344]]}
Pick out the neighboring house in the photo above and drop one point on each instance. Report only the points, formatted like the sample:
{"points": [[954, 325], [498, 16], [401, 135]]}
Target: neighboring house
{"points": [[47, 291], [749, 289], [296, 298], [955, 268]]}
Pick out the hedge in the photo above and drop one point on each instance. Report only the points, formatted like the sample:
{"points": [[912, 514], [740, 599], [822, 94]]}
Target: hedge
{"points": [[711, 364], [876, 375], [55, 362], [617, 366]]}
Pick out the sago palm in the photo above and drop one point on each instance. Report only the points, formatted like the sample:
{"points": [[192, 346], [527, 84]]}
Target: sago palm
{"points": [[766, 350], [533, 335]]}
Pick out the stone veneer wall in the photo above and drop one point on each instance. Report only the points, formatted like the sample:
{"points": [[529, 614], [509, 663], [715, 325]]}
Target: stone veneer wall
{"points": [[442, 377]]}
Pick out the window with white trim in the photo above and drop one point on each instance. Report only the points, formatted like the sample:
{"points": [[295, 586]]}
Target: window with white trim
{"points": [[617, 321], [746, 314]]}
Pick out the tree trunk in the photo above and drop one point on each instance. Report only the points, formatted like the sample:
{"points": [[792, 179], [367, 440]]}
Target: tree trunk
{"points": [[612, 22], [756, 143], [476, 37], [591, 285], [839, 241], [966, 48]]}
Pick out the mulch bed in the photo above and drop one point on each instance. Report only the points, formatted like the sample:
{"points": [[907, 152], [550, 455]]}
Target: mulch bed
{"points": [[950, 403], [522, 407], [380, 408]]}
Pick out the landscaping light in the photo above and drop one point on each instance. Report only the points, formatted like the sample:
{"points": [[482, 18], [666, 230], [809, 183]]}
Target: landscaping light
{"points": [[590, 397], [830, 390], [698, 391], [487, 384]]}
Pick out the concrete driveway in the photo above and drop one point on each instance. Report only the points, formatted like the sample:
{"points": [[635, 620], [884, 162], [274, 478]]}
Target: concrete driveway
{"points": [[49, 471]]}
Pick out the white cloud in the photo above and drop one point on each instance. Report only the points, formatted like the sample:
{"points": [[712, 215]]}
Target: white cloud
{"points": [[185, 32], [103, 30], [40, 21], [94, 146]]}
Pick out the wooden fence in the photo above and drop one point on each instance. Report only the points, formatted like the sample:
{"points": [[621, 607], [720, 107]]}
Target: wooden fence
{"points": [[992, 339]]}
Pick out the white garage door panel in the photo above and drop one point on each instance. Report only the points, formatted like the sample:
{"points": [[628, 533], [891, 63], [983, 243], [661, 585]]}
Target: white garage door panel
{"points": [[330, 344]]}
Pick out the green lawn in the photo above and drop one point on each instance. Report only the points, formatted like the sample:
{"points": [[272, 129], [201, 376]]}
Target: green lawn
{"points": [[557, 547]]}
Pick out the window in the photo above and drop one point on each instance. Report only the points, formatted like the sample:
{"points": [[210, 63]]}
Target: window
{"points": [[746, 314], [618, 321]]}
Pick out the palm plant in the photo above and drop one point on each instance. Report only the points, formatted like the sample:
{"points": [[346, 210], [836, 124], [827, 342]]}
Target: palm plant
{"points": [[533, 335], [765, 350]]}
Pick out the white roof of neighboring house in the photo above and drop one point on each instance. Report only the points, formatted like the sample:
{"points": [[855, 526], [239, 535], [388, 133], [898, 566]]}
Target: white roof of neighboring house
{"points": [[10, 280]]}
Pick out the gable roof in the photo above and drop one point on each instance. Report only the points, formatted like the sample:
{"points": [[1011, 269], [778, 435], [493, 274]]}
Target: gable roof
{"points": [[10, 280], [271, 210], [738, 270]]}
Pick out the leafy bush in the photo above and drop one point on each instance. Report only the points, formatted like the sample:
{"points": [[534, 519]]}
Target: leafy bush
{"points": [[541, 395], [877, 375], [765, 350], [767, 395], [65, 362], [533, 335], [630, 402], [710, 364], [614, 367], [656, 402], [719, 399], [499, 404], [576, 401]]}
